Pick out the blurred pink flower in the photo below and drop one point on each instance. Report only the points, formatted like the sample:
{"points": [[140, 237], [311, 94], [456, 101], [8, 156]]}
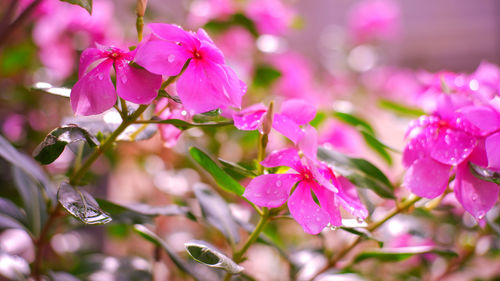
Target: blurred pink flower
{"points": [[94, 92], [207, 83], [203, 11], [342, 137], [397, 84], [270, 16], [238, 47], [13, 127], [294, 113], [67, 28], [166, 109], [374, 20], [312, 176]]}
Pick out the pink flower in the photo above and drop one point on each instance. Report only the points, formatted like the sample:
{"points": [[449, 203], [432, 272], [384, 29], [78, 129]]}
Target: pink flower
{"points": [[311, 176], [270, 16], [202, 11], [13, 127], [165, 109], [294, 113], [374, 20], [447, 142], [342, 137], [94, 92], [207, 83]]}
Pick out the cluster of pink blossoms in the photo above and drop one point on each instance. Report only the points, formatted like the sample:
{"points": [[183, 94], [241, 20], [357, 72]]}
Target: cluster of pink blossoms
{"points": [[463, 128]]}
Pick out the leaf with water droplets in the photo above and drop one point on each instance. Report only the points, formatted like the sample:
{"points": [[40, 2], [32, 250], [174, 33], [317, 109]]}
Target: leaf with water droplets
{"points": [[86, 4], [81, 205], [484, 173], [216, 212], [207, 254], [55, 142], [222, 179]]}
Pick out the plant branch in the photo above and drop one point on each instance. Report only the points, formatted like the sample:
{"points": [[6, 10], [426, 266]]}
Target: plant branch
{"points": [[7, 30]]}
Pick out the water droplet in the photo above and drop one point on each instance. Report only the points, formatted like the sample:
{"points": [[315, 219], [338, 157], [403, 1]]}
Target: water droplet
{"points": [[474, 197], [171, 58], [360, 220], [480, 215], [124, 79], [318, 219], [100, 76], [278, 183]]}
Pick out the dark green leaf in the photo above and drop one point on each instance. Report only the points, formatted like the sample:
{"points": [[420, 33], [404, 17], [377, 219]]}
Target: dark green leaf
{"points": [[33, 202], [236, 19], [207, 254], [237, 168], [265, 75], [359, 171], [81, 205], [55, 142], [318, 119], [363, 233], [399, 254], [216, 212], [163, 93], [484, 173], [28, 165], [181, 264], [47, 88], [377, 146], [141, 213], [86, 4], [401, 109], [222, 179], [353, 121]]}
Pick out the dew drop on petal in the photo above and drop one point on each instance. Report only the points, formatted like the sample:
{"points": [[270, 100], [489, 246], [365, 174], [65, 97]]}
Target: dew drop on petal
{"points": [[124, 79], [474, 197], [278, 183], [480, 215], [100, 76], [360, 220], [171, 58]]}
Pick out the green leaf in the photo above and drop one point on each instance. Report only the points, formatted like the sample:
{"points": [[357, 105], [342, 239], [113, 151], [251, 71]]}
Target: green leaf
{"points": [[216, 212], [141, 213], [236, 19], [363, 233], [181, 264], [81, 205], [33, 202], [165, 94], [353, 121], [7, 222], [399, 254], [359, 171], [55, 142], [28, 165], [86, 4], [377, 146], [265, 75], [484, 174], [222, 179], [208, 255], [237, 168], [401, 109], [183, 125]]}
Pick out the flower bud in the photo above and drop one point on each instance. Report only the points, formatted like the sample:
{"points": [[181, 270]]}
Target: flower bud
{"points": [[268, 120], [141, 7]]}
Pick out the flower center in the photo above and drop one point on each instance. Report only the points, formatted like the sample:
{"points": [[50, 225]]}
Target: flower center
{"points": [[197, 55], [114, 55]]}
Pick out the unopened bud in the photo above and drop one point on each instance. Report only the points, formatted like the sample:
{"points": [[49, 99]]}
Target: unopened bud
{"points": [[141, 7], [268, 120]]}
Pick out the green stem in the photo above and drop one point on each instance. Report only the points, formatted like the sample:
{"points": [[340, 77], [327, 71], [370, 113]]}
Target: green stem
{"points": [[78, 174], [139, 24]]}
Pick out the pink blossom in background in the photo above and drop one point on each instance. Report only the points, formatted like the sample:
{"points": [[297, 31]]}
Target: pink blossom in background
{"points": [[293, 114], [341, 137], [459, 132], [207, 83], [374, 20], [13, 127], [68, 28], [167, 109], [94, 92], [203, 11], [45, 7], [270, 16], [393, 83], [408, 240], [238, 47]]}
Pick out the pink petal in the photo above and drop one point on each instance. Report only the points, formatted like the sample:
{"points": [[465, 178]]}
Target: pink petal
{"points": [[224, 80], [305, 211], [309, 143], [416, 148], [287, 127], [197, 91], [348, 198], [250, 118], [270, 190], [452, 147], [286, 157], [483, 117], [322, 174], [492, 145], [89, 56], [299, 111], [136, 85], [161, 57], [175, 34], [476, 196], [209, 51], [329, 203], [427, 178], [94, 92]]}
